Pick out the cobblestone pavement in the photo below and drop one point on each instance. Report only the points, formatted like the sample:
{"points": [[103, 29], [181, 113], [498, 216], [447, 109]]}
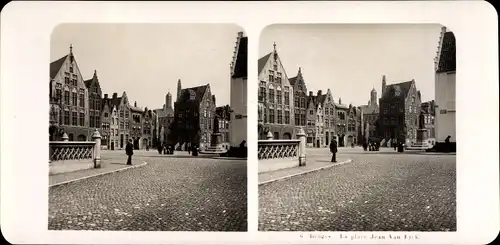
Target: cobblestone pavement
{"points": [[168, 194], [378, 191]]}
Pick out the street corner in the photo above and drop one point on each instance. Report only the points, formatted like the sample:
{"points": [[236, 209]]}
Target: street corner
{"points": [[283, 174], [82, 175]]}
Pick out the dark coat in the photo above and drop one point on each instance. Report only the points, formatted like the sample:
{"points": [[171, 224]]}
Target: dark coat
{"points": [[129, 149], [333, 146]]}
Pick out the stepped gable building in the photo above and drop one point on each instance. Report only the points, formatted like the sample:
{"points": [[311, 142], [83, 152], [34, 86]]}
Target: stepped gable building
{"points": [[136, 124], [354, 117], [165, 116], [224, 115], [147, 129], [370, 114], [110, 121], [313, 130], [300, 99], [329, 117], [95, 97], [445, 87], [429, 110], [399, 111], [275, 99], [194, 113], [123, 108], [238, 95], [320, 116], [341, 120], [68, 100]]}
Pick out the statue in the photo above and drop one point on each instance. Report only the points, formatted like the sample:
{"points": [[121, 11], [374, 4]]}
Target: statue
{"points": [[421, 121], [216, 124]]}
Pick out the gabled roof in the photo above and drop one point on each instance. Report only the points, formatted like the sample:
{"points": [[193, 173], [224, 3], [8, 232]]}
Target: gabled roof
{"points": [[447, 57], [403, 87], [263, 61], [240, 69], [55, 66], [199, 93]]}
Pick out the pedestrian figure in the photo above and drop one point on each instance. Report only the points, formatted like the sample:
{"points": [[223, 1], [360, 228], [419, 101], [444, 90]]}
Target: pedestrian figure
{"points": [[365, 146], [129, 149], [333, 150], [401, 147], [447, 144], [189, 148], [195, 150]]}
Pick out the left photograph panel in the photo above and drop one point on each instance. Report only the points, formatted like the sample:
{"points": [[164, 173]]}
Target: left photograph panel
{"points": [[147, 127]]}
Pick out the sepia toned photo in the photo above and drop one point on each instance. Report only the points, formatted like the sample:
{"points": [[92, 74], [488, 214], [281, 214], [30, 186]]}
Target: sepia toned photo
{"points": [[357, 128], [147, 128]]}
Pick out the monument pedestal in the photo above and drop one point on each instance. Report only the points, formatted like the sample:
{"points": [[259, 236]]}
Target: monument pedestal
{"points": [[421, 143], [215, 145]]}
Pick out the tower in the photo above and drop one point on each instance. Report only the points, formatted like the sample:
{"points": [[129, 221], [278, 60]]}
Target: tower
{"points": [[373, 97], [179, 88], [168, 100], [383, 84]]}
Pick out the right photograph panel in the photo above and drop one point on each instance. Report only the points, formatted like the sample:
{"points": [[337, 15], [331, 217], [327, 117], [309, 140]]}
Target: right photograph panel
{"points": [[357, 127]]}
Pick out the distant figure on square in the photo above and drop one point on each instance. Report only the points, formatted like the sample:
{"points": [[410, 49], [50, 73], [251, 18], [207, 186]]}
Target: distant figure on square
{"points": [[447, 143], [189, 148], [129, 149], [333, 150]]}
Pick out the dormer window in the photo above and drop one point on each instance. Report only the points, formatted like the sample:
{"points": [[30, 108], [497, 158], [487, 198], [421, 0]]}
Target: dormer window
{"points": [[192, 95], [71, 69]]}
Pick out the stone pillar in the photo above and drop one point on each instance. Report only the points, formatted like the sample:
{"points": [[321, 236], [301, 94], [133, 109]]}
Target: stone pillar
{"points": [[269, 136], [421, 135], [301, 135], [65, 137], [97, 149]]}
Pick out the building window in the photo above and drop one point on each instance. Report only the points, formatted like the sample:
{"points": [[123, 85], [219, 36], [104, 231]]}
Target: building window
{"points": [[271, 115], [287, 117], [82, 119], [278, 97], [75, 101], [265, 115], [74, 118], [121, 125], [271, 76], [58, 94], [271, 95], [126, 114], [262, 94], [311, 112], [66, 117], [287, 97], [66, 80], [297, 119], [297, 100], [66, 97], [105, 114], [97, 121], [280, 117], [82, 100], [275, 67]]}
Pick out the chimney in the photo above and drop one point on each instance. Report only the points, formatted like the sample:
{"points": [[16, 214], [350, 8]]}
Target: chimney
{"points": [[340, 101], [320, 92], [105, 96], [310, 93], [135, 103], [115, 95]]}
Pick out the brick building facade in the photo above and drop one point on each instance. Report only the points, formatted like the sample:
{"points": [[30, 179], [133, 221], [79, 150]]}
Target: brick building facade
{"points": [[399, 111], [275, 99]]}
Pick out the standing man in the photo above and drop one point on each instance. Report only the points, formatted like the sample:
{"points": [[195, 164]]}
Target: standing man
{"points": [[333, 150], [129, 149]]}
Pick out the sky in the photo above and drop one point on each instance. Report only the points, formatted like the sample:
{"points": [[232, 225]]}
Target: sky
{"points": [[146, 60], [350, 59]]}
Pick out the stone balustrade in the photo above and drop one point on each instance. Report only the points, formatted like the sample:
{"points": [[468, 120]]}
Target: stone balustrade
{"points": [[280, 154], [68, 156]]}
